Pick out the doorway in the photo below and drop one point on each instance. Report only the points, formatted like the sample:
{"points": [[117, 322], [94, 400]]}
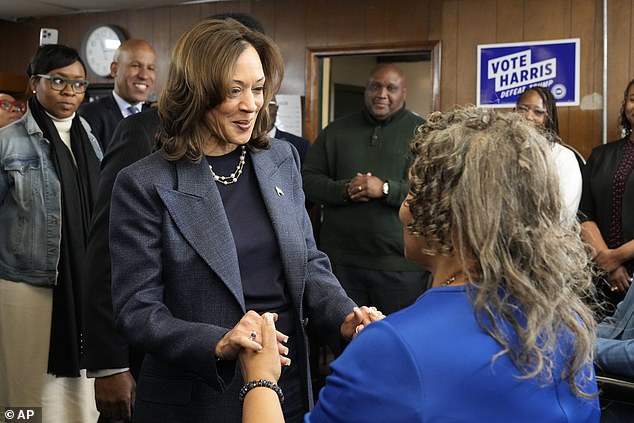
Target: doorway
{"points": [[336, 78]]}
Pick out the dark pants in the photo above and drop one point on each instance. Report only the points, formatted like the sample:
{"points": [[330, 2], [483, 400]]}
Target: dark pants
{"points": [[387, 291]]}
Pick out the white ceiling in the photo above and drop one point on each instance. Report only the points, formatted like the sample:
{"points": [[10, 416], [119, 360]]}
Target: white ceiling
{"points": [[16, 9]]}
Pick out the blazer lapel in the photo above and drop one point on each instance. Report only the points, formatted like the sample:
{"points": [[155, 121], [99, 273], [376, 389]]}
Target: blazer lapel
{"points": [[113, 108], [197, 209], [276, 186]]}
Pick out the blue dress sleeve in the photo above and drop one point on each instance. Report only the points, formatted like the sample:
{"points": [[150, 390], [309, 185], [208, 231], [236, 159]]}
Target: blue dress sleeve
{"points": [[375, 379]]}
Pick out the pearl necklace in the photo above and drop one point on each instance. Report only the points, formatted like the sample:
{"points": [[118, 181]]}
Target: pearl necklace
{"points": [[226, 180]]}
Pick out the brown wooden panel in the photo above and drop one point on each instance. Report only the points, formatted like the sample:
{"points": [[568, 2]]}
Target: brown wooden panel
{"points": [[241, 6], [21, 42], [597, 58], [141, 25], [509, 21], [435, 20], [292, 41], [263, 12], [207, 10], [619, 52], [13, 83], [162, 44], [376, 30], [408, 23], [70, 32], [182, 18], [476, 25], [546, 19], [449, 66], [316, 18], [347, 24], [578, 130]]}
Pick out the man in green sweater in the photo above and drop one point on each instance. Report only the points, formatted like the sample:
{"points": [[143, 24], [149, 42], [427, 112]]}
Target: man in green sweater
{"points": [[357, 169]]}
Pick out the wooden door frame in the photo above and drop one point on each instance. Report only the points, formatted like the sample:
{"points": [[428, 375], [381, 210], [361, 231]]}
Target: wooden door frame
{"points": [[315, 54]]}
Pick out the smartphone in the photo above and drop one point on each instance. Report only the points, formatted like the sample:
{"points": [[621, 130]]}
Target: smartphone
{"points": [[48, 36]]}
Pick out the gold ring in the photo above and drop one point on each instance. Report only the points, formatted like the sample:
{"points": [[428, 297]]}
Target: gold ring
{"points": [[359, 188]]}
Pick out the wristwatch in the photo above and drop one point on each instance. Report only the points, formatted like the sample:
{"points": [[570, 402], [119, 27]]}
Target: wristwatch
{"points": [[386, 188]]}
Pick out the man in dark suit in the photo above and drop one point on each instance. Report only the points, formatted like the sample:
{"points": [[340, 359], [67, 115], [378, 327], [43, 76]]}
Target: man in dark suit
{"points": [[106, 354], [301, 144], [132, 68]]}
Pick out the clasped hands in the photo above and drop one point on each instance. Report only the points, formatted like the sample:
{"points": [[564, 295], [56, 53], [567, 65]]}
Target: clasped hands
{"points": [[260, 361], [611, 261], [246, 335], [363, 187]]}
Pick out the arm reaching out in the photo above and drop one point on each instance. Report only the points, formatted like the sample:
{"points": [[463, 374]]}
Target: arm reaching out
{"points": [[262, 404]]}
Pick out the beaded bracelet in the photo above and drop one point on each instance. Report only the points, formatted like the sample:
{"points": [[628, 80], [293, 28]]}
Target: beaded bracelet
{"points": [[261, 383]]}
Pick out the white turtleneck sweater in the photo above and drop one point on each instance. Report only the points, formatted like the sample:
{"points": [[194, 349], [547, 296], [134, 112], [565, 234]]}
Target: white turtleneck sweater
{"points": [[63, 128]]}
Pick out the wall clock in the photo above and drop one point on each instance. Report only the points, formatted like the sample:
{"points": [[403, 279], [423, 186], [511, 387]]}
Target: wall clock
{"points": [[99, 47]]}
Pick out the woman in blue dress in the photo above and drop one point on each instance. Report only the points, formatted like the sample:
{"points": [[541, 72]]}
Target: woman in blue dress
{"points": [[503, 335]]}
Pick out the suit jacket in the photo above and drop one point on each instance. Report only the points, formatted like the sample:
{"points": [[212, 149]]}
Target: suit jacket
{"points": [[176, 282], [615, 339], [301, 144], [103, 115], [104, 347]]}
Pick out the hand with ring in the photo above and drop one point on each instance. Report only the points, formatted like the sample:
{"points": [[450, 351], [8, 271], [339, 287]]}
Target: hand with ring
{"points": [[245, 335], [364, 187], [619, 280]]}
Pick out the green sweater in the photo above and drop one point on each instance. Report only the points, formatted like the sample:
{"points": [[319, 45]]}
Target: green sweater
{"points": [[366, 235]]}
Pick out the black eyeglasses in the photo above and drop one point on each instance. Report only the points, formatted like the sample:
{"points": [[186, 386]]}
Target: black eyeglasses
{"points": [[58, 83], [537, 111], [9, 105]]}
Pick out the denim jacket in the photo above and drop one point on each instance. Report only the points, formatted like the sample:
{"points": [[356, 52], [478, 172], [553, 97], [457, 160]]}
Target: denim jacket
{"points": [[30, 204], [615, 339]]}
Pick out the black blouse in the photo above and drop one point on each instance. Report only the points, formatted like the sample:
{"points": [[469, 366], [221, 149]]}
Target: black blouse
{"points": [[596, 198], [263, 281]]}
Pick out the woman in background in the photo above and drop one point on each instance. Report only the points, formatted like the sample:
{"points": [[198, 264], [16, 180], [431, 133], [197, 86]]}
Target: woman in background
{"points": [[49, 164], [607, 205], [503, 334], [10, 109], [538, 106]]}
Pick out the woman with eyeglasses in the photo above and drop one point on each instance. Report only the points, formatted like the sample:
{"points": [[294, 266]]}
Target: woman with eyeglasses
{"points": [[538, 106], [607, 205], [10, 109], [49, 165]]}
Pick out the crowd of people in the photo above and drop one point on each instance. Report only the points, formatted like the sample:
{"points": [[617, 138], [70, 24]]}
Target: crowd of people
{"points": [[158, 262]]}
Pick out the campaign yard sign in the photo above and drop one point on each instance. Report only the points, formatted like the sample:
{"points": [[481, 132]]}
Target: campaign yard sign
{"points": [[505, 71]]}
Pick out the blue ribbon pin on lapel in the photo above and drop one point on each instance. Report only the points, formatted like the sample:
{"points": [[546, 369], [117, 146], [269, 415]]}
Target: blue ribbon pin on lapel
{"points": [[279, 191]]}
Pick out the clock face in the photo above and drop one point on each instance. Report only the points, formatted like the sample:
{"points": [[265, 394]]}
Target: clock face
{"points": [[99, 48]]}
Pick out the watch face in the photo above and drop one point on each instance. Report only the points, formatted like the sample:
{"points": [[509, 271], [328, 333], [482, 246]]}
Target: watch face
{"points": [[99, 49]]}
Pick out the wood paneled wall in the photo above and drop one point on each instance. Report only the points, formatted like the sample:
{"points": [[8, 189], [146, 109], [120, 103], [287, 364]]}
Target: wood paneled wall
{"points": [[460, 25]]}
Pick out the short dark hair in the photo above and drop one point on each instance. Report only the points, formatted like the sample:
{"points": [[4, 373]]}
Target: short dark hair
{"points": [[245, 19], [52, 56]]}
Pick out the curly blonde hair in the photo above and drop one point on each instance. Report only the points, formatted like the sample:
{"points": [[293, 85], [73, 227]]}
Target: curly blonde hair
{"points": [[483, 186]]}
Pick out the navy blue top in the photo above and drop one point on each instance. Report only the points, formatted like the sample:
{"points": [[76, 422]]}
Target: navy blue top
{"points": [[263, 281], [431, 362]]}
